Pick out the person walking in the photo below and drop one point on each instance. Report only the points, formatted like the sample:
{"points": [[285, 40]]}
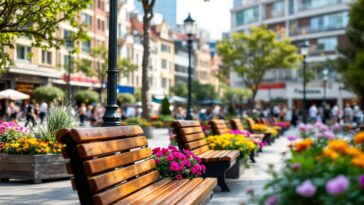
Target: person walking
{"points": [[43, 110], [30, 115], [313, 113], [348, 114], [82, 112], [357, 114]]}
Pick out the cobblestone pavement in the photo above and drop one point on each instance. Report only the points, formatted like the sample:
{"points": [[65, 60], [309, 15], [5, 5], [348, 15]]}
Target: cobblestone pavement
{"points": [[61, 193]]}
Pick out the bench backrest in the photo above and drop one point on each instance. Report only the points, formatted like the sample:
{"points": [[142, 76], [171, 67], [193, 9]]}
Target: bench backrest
{"points": [[250, 123], [190, 136], [107, 163], [236, 124], [219, 127]]}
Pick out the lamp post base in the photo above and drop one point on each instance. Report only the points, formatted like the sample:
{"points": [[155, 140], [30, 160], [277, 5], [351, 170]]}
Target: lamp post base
{"points": [[111, 116]]}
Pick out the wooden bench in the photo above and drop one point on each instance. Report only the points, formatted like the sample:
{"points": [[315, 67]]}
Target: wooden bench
{"points": [[237, 125], [219, 127], [113, 165], [267, 136], [219, 163]]}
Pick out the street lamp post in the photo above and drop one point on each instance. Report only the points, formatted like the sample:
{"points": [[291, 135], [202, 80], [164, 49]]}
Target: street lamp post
{"points": [[111, 116], [69, 46], [304, 47], [325, 73], [189, 27]]}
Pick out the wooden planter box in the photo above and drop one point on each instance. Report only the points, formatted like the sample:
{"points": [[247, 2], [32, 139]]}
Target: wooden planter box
{"points": [[32, 167]]}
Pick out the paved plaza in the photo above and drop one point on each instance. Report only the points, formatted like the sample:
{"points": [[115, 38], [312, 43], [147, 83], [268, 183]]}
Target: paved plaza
{"points": [[60, 192]]}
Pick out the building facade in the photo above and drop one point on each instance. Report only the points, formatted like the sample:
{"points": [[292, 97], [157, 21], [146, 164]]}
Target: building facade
{"points": [[321, 22]]}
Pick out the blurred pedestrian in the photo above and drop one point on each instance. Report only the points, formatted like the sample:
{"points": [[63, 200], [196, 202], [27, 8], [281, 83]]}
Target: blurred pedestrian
{"points": [[43, 110], [30, 115], [82, 113]]}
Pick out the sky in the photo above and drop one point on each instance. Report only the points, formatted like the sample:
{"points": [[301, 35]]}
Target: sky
{"points": [[213, 15]]}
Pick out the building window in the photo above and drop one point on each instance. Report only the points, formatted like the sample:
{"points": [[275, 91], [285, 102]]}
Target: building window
{"points": [[278, 9], [313, 4], [327, 44], [87, 19], [23, 53], [101, 5], [164, 63], [165, 48], [86, 46], [100, 25], [249, 15], [329, 22], [66, 61], [46, 57], [291, 6], [164, 83]]}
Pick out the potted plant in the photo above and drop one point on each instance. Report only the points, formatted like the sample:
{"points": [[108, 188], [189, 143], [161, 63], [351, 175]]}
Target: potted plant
{"points": [[36, 157]]}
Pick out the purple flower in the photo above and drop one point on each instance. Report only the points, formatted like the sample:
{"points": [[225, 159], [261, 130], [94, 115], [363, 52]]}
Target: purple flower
{"points": [[329, 135], [337, 185], [309, 128], [295, 166], [361, 181], [306, 189], [170, 157], [292, 138], [173, 148], [271, 200], [302, 127]]}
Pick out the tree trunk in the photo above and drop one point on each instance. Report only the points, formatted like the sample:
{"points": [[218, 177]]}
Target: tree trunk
{"points": [[252, 99], [145, 63], [101, 90]]}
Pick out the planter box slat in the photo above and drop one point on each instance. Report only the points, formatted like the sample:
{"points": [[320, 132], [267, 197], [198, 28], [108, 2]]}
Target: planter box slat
{"points": [[32, 167]]}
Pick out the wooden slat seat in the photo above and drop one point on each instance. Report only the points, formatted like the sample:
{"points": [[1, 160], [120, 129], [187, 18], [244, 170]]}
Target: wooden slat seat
{"points": [[237, 125], [190, 136], [113, 165], [267, 136]]}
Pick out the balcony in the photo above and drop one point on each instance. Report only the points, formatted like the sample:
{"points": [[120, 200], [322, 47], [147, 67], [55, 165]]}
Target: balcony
{"points": [[309, 30], [316, 4]]}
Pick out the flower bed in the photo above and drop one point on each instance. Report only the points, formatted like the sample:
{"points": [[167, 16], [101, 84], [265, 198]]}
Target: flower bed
{"points": [[323, 169], [232, 142], [260, 128], [177, 165]]}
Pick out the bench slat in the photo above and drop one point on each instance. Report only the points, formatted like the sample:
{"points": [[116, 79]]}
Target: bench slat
{"points": [[199, 193], [186, 123], [162, 193], [100, 148], [182, 192], [196, 144], [104, 133], [205, 153], [94, 166], [200, 150], [114, 194], [193, 137], [108, 179], [131, 199], [191, 130]]}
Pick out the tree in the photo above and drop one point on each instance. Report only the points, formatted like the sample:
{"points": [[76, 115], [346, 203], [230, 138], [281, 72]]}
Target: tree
{"points": [[233, 96], [252, 55], [125, 98], [351, 58], [39, 20], [200, 91], [179, 89], [165, 107], [86, 96], [125, 66], [48, 93], [148, 16]]}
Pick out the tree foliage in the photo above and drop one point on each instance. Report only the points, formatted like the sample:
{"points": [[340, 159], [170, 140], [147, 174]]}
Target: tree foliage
{"points": [[48, 93], [200, 91], [252, 54], [86, 96], [165, 106], [351, 59], [125, 98], [39, 20]]}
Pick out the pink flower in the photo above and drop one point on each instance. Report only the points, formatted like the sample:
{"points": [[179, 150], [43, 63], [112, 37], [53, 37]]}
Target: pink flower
{"points": [[159, 154], [329, 135], [203, 168], [361, 181], [306, 189], [179, 177], [193, 170], [337, 185], [302, 127], [174, 166], [271, 200], [173, 148], [198, 159], [157, 161], [157, 149], [164, 150], [187, 163], [170, 157], [249, 191]]}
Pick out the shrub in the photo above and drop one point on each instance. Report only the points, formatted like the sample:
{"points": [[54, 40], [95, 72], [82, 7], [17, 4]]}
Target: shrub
{"points": [[157, 124], [48, 93], [125, 98], [86, 96], [177, 165], [138, 121], [165, 107], [166, 118], [60, 117]]}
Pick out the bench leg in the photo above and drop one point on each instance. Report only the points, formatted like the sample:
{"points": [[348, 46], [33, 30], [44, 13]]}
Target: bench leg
{"points": [[252, 157], [218, 170]]}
